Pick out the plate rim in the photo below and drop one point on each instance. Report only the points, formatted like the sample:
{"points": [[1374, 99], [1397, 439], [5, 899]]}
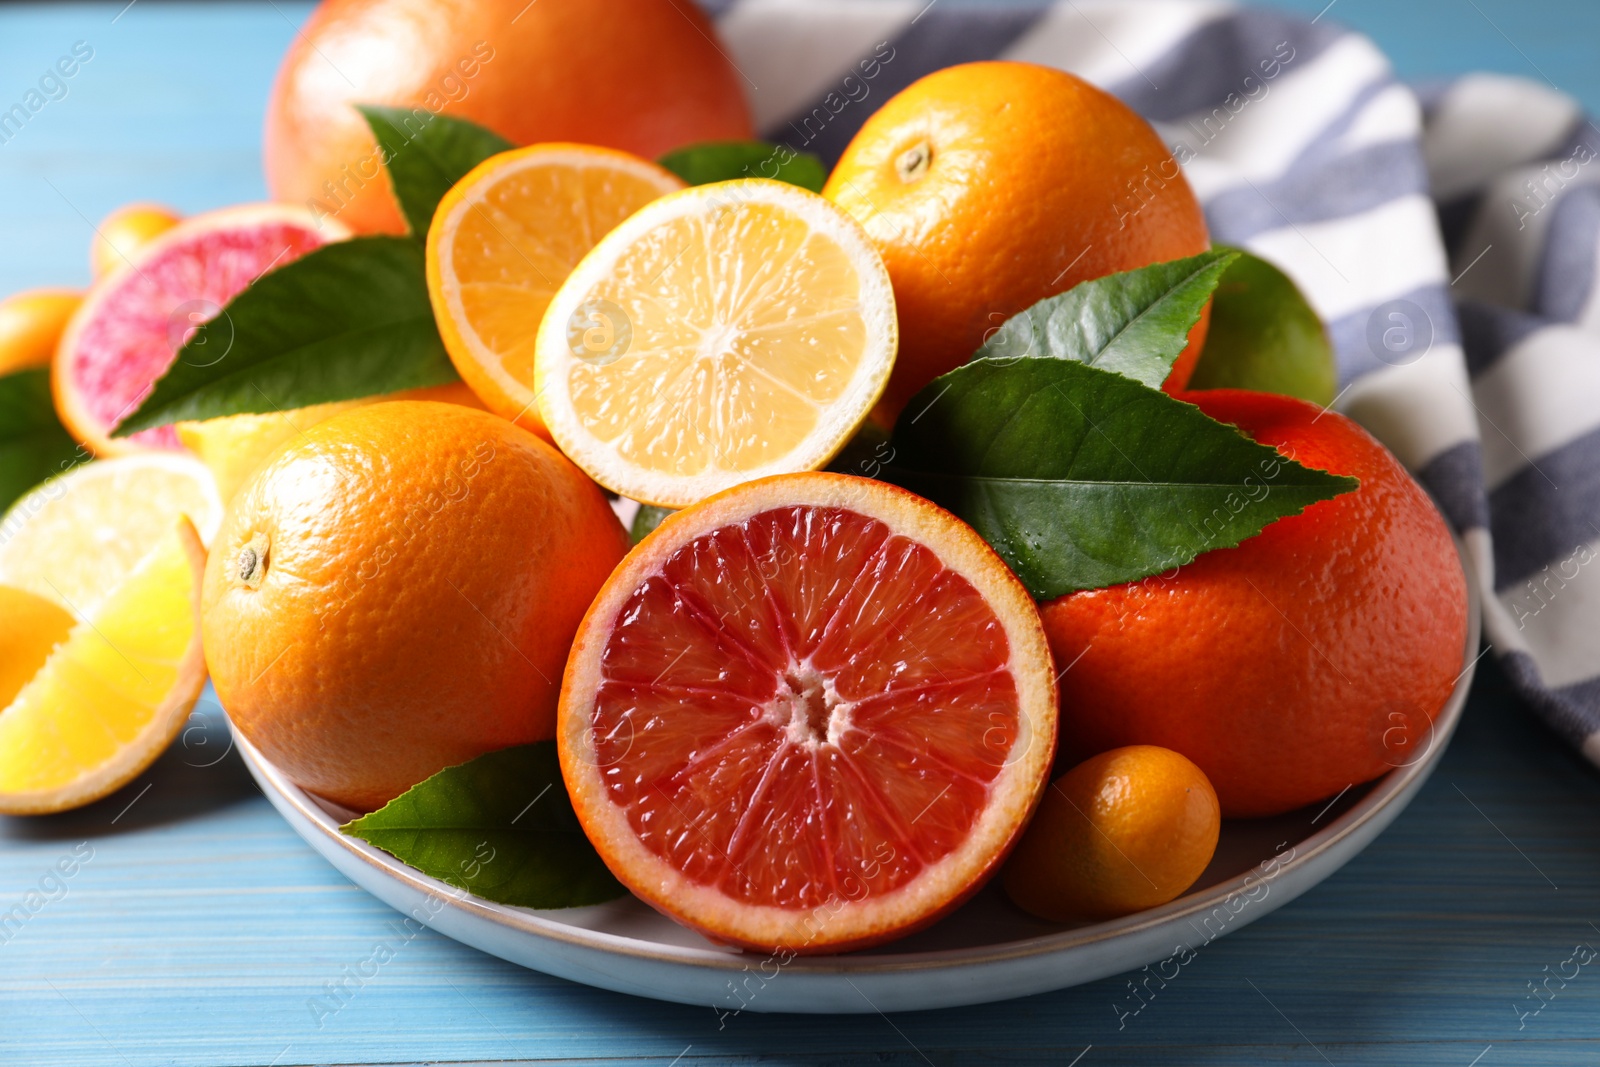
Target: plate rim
{"points": [[1396, 787]]}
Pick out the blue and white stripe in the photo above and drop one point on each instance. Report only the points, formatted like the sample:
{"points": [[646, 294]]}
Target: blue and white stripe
{"points": [[1448, 234]]}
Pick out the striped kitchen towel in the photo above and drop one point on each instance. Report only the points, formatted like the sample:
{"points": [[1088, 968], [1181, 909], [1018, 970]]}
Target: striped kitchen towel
{"points": [[1448, 237]]}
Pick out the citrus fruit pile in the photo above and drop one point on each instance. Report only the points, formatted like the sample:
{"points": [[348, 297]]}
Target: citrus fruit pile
{"points": [[937, 571]]}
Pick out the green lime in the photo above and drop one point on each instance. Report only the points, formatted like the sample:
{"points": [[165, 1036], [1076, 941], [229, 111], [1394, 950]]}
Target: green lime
{"points": [[646, 521], [1265, 337]]}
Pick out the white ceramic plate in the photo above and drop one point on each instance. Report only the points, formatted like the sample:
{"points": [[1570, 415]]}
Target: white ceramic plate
{"points": [[986, 951]]}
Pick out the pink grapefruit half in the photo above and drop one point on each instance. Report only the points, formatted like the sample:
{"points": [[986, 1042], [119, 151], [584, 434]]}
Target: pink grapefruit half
{"points": [[134, 320]]}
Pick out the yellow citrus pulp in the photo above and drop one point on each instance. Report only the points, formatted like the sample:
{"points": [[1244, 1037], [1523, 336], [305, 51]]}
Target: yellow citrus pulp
{"points": [[101, 698], [724, 333], [76, 537]]}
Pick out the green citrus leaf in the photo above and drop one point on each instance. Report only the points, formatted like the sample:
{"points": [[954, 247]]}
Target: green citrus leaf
{"points": [[1135, 323], [349, 320], [646, 521], [720, 161], [425, 154], [33, 444], [1081, 478], [499, 826], [1265, 336]]}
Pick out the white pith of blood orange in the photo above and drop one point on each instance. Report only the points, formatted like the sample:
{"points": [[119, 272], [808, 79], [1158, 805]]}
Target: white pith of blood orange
{"points": [[812, 713]]}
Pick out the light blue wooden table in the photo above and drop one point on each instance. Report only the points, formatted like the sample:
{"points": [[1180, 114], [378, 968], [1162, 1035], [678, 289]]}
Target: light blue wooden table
{"points": [[195, 927]]}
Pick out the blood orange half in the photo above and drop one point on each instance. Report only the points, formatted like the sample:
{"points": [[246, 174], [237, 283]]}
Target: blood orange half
{"points": [[810, 714], [134, 320]]}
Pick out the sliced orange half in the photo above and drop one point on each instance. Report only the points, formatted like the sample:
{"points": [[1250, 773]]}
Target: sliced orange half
{"points": [[105, 696], [810, 714], [502, 242], [722, 334]]}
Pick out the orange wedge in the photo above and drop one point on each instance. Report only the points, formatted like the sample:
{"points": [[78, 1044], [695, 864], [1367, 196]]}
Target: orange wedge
{"points": [[502, 242], [30, 629], [105, 696]]}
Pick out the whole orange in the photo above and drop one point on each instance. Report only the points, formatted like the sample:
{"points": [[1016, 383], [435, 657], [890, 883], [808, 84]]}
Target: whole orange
{"points": [[31, 323], [125, 231], [1310, 657], [396, 591], [1123, 831], [645, 76], [990, 186]]}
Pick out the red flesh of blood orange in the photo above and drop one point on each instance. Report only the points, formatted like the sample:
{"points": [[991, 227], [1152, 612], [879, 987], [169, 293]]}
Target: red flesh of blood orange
{"points": [[810, 714]]}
